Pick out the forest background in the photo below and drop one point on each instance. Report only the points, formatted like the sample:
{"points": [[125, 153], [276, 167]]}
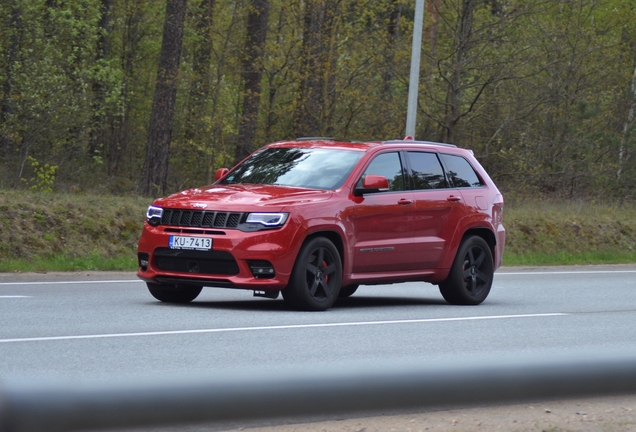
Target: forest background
{"points": [[107, 103], [542, 91]]}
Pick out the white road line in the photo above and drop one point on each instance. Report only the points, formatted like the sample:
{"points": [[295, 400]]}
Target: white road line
{"points": [[531, 273], [72, 282], [13, 296], [282, 327]]}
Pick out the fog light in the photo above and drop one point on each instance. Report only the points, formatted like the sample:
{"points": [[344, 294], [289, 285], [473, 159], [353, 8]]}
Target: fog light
{"points": [[262, 269], [143, 261]]}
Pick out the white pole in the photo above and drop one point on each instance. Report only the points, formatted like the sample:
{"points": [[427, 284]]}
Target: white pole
{"points": [[414, 79]]}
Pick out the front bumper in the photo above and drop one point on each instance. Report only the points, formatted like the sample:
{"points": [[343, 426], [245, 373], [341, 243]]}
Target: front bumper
{"points": [[235, 260]]}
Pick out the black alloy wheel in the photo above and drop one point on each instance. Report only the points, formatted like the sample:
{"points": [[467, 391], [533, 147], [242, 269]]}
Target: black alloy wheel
{"points": [[315, 280], [471, 274], [174, 293]]}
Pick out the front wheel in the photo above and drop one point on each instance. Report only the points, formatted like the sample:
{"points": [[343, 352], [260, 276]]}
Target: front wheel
{"points": [[174, 293], [347, 291], [315, 280], [471, 274]]}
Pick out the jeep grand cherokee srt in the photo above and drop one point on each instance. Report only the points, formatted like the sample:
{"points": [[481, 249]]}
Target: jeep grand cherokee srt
{"points": [[315, 218]]}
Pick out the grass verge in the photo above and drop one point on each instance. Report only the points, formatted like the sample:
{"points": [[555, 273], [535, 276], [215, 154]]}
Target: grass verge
{"points": [[546, 233], [563, 258], [64, 232], [63, 262]]}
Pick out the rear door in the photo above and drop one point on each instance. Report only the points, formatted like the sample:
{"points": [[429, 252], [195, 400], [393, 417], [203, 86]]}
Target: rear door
{"points": [[438, 208]]}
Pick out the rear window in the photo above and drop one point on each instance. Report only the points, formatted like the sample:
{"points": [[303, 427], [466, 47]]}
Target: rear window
{"points": [[313, 168], [460, 172]]}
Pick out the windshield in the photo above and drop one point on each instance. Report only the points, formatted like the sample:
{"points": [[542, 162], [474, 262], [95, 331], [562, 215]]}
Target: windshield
{"points": [[314, 168]]}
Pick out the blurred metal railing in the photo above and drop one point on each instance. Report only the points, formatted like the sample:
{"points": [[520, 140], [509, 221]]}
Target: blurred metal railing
{"points": [[36, 406]]}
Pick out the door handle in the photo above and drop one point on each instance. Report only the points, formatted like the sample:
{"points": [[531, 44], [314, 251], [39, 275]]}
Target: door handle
{"points": [[405, 201], [453, 198]]}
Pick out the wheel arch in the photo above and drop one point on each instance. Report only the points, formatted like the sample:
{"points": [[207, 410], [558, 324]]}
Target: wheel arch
{"points": [[486, 234], [332, 236]]}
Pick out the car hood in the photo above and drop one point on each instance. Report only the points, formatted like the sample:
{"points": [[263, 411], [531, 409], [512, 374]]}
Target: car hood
{"points": [[239, 197]]}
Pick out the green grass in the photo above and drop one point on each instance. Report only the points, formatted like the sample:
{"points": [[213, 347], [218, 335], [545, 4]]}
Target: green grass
{"points": [[545, 233], [563, 258], [66, 232], [66, 263]]}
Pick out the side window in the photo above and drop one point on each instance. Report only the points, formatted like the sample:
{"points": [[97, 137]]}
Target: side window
{"points": [[427, 171], [389, 166], [460, 172]]}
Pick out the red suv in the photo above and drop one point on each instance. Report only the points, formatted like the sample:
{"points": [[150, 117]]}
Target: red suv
{"points": [[314, 218]]}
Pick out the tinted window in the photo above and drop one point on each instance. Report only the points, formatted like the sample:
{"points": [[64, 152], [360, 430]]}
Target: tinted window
{"points": [[389, 166], [460, 172], [426, 170], [313, 168]]}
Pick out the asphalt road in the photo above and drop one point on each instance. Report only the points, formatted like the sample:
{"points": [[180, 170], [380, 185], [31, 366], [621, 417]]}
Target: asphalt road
{"points": [[87, 326], [107, 325]]}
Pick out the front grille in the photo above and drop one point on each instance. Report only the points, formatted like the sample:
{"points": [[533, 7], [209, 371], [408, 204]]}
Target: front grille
{"points": [[196, 262], [199, 218]]}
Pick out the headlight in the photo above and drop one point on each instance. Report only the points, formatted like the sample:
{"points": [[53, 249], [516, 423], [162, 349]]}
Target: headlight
{"points": [[154, 215], [267, 219]]}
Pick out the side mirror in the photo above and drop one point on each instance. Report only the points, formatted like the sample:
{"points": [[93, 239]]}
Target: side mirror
{"points": [[373, 183], [220, 173]]}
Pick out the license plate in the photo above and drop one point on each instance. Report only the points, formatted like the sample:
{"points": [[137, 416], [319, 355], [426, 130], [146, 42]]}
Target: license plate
{"points": [[194, 243]]}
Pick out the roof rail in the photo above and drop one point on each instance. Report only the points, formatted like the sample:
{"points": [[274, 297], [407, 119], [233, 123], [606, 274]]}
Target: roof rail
{"points": [[412, 141], [315, 139]]}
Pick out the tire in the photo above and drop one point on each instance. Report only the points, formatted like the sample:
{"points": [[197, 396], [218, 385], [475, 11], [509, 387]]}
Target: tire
{"points": [[471, 274], [315, 280], [347, 291], [174, 293]]}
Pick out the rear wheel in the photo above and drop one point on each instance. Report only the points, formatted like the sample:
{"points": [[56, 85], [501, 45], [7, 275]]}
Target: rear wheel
{"points": [[174, 293], [471, 274], [315, 280]]}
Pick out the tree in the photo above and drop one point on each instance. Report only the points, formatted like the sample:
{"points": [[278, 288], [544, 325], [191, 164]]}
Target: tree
{"points": [[623, 153], [200, 84], [98, 128], [252, 73], [154, 177], [318, 69], [14, 17]]}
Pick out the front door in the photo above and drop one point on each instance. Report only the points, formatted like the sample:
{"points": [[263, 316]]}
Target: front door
{"points": [[382, 221]]}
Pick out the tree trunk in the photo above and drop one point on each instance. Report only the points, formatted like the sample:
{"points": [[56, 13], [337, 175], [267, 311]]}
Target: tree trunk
{"points": [[272, 85], [98, 128], [330, 63], [119, 141], [306, 121], [7, 87], [454, 96], [432, 10], [251, 74], [390, 69], [316, 94], [200, 86], [154, 179], [627, 126]]}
